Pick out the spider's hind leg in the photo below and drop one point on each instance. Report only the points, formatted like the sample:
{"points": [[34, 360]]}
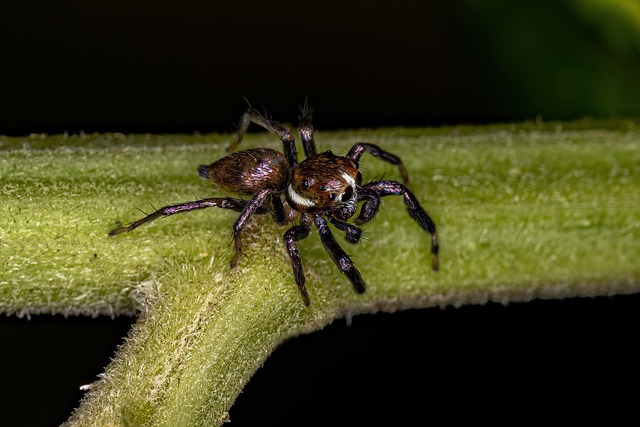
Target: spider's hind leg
{"points": [[306, 129], [220, 202], [253, 116]]}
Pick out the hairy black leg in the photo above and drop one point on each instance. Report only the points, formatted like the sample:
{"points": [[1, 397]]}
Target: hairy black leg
{"points": [[253, 116], [306, 129], [357, 150], [220, 202], [277, 209], [369, 208], [352, 233], [252, 206], [387, 188], [291, 236], [338, 256]]}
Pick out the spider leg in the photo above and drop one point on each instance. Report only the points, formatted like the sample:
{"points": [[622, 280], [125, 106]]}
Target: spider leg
{"points": [[220, 202], [356, 152], [291, 236], [372, 193], [252, 206], [352, 232], [306, 129], [277, 208], [338, 256], [253, 116], [369, 208]]}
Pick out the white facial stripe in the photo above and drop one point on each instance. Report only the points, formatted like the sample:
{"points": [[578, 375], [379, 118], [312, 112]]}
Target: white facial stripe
{"points": [[298, 199], [350, 180]]}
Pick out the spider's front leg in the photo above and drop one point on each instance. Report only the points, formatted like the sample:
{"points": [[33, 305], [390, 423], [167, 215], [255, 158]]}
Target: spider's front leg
{"points": [[357, 150], [371, 194], [295, 233], [338, 256]]}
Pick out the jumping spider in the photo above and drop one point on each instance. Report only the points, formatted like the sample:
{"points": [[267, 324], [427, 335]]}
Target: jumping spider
{"points": [[324, 188]]}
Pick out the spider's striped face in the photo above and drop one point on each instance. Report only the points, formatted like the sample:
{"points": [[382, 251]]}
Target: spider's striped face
{"points": [[324, 182]]}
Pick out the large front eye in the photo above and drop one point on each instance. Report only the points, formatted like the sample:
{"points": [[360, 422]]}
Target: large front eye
{"points": [[347, 195], [332, 196]]}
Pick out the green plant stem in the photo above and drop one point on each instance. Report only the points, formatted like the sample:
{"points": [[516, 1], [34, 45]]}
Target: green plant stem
{"points": [[523, 211]]}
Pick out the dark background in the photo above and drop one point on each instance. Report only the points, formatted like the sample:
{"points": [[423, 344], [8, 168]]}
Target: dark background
{"points": [[569, 360], [168, 66]]}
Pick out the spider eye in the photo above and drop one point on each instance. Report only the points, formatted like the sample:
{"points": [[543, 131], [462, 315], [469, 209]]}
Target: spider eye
{"points": [[332, 196], [348, 193], [305, 184]]}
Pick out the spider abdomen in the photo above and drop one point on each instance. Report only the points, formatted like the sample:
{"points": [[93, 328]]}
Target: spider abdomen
{"points": [[247, 172]]}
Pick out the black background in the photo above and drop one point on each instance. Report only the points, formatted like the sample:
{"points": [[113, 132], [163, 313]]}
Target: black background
{"points": [[167, 66], [569, 360], [164, 66]]}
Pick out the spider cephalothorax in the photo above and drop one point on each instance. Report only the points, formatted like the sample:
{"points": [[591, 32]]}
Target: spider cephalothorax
{"points": [[325, 183], [324, 188]]}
